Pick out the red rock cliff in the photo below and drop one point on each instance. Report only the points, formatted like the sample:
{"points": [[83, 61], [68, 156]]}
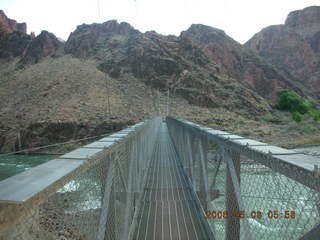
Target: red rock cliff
{"points": [[10, 25], [294, 47]]}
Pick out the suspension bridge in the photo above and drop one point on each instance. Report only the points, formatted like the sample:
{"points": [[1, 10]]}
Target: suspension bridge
{"points": [[166, 178]]}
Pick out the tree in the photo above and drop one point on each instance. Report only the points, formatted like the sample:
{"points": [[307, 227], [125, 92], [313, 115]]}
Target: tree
{"points": [[292, 102]]}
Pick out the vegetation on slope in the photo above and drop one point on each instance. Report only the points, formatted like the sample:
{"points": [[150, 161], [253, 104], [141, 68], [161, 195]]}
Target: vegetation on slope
{"points": [[296, 105]]}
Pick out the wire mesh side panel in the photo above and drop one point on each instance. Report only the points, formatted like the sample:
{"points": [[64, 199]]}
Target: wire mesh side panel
{"points": [[119, 190], [276, 206], [247, 200], [130, 167], [71, 212], [74, 211], [217, 180], [97, 203], [24, 228]]}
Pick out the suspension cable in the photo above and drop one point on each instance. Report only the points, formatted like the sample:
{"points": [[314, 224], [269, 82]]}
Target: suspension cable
{"points": [[99, 13], [51, 145]]}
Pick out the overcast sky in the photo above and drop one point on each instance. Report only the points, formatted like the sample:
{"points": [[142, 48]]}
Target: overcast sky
{"points": [[240, 19]]}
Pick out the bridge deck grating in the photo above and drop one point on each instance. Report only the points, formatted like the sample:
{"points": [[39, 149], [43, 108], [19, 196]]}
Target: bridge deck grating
{"points": [[168, 209]]}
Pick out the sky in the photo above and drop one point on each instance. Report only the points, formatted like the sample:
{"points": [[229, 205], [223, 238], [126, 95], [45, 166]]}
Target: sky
{"points": [[240, 19]]}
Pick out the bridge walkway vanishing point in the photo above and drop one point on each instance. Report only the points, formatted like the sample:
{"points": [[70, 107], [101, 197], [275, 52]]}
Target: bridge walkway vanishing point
{"points": [[168, 209]]}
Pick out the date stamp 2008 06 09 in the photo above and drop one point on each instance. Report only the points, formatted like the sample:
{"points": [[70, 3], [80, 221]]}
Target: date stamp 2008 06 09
{"points": [[271, 214]]}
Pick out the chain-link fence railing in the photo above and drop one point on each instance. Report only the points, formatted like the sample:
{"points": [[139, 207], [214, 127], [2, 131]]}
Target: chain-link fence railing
{"points": [[91, 193], [249, 189]]}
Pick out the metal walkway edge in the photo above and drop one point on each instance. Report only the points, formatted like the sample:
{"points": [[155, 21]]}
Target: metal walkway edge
{"points": [[168, 209]]}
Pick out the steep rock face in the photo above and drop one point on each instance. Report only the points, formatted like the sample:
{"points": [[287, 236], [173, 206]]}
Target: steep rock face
{"points": [[13, 44], [235, 61], [286, 48], [216, 45], [13, 37], [87, 39], [9, 25], [44, 45], [162, 62], [305, 22], [293, 47]]}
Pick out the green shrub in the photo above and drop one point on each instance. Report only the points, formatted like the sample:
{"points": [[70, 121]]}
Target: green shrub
{"points": [[315, 115], [292, 102], [296, 116]]}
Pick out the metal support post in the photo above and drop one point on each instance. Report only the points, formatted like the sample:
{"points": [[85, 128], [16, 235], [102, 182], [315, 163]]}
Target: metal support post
{"points": [[193, 165], [188, 155], [204, 192], [232, 205], [168, 102]]}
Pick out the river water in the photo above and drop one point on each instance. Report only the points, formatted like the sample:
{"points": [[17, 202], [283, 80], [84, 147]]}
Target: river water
{"points": [[266, 191], [13, 164]]}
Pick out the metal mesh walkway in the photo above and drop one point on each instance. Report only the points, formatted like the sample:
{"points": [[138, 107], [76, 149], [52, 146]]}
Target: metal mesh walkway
{"points": [[168, 210]]}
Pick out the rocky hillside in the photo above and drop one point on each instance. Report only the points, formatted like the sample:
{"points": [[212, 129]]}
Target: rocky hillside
{"points": [[294, 47], [109, 75], [202, 65], [239, 63], [161, 62]]}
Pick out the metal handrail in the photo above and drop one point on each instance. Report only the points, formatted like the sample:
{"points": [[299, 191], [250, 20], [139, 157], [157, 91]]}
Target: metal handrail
{"points": [[284, 161]]}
